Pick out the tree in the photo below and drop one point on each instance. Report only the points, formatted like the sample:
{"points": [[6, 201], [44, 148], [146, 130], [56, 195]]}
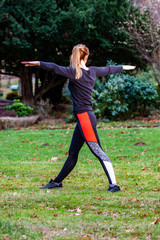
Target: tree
{"points": [[27, 28], [143, 27], [47, 30]]}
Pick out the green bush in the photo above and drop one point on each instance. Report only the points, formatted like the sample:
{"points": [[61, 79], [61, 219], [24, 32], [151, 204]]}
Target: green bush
{"points": [[146, 76], [121, 96], [20, 108]]}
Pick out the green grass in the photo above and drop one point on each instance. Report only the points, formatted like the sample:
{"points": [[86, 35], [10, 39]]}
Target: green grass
{"points": [[82, 209]]}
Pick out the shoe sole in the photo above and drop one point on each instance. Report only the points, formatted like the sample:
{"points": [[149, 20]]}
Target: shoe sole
{"points": [[49, 188], [113, 191]]}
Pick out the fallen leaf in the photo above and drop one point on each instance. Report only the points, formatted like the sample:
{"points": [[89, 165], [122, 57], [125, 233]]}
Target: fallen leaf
{"points": [[33, 215], [24, 236], [157, 189], [86, 237], [78, 210], [140, 143], [42, 205], [53, 159], [155, 222], [143, 152], [70, 210], [87, 206], [144, 168], [55, 214], [6, 236], [25, 141]]}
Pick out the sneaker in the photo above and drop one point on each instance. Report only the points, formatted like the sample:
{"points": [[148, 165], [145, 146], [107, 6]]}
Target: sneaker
{"points": [[113, 189], [52, 184]]}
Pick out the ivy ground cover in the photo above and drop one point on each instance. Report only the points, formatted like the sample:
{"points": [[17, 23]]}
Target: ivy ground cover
{"points": [[82, 209]]}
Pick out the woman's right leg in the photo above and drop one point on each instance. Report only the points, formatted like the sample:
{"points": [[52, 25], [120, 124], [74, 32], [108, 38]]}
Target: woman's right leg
{"points": [[76, 144]]}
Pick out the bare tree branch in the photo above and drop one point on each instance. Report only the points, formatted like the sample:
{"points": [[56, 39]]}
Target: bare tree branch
{"points": [[143, 28]]}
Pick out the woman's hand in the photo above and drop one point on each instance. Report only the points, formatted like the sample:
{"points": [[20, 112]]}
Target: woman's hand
{"points": [[31, 64], [128, 67]]}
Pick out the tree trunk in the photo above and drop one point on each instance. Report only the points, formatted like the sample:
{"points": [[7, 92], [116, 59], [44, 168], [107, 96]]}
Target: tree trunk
{"points": [[36, 82], [156, 76], [51, 87], [26, 84], [54, 94]]}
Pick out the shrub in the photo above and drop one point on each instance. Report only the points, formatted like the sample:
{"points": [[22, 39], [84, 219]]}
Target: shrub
{"points": [[146, 76], [43, 108], [20, 108], [65, 99], [70, 118], [122, 96], [13, 95], [1, 93]]}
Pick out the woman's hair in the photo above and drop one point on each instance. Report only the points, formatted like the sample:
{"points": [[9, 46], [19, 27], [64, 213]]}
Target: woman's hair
{"points": [[79, 52]]}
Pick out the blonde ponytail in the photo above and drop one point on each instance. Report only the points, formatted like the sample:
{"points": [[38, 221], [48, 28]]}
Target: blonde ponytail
{"points": [[78, 53]]}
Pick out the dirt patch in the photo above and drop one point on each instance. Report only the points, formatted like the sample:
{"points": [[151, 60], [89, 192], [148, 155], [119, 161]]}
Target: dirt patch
{"points": [[151, 119]]}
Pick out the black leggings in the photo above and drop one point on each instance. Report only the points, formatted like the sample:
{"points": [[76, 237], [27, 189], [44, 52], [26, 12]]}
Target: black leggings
{"points": [[85, 131]]}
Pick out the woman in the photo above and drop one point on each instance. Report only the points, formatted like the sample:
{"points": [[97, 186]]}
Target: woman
{"points": [[81, 83]]}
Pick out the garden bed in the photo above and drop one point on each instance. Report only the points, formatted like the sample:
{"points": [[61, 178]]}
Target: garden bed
{"points": [[12, 122]]}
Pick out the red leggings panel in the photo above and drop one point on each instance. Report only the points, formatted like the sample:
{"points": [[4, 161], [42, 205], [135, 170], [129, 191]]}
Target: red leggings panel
{"points": [[86, 126]]}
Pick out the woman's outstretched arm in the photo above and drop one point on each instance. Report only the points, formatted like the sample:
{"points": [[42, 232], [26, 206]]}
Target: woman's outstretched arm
{"points": [[49, 66], [107, 70]]}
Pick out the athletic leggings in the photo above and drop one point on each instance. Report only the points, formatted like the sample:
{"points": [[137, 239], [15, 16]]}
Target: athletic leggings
{"points": [[85, 131]]}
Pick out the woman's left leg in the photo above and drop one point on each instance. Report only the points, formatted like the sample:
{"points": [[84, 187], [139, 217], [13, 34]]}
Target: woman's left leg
{"points": [[87, 122]]}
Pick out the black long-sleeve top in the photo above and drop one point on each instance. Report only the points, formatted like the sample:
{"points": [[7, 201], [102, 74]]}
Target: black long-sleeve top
{"points": [[81, 89]]}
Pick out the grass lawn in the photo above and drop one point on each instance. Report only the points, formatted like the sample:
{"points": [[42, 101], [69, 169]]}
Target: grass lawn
{"points": [[82, 209]]}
